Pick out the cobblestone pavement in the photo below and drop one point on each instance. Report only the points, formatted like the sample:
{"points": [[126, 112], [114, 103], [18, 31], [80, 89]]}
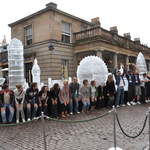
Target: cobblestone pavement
{"points": [[93, 135]]}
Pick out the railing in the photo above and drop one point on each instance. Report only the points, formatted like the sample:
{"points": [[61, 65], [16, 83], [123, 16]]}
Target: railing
{"points": [[86, 34], [107, 36]]}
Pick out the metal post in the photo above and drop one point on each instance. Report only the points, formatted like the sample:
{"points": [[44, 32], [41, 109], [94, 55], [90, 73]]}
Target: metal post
{"points": [[114, 127], [115, 141], [44, 135], [149, 125]]}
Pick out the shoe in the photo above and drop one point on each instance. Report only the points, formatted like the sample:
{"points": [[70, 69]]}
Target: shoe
{"points": [[133, 103], [35, 118], [23, 120], [123, 105], [128, 104], [71, 113], [117, 106], [17, 121], [146, 101], [78, 112], [29, 119], [138, 103]]}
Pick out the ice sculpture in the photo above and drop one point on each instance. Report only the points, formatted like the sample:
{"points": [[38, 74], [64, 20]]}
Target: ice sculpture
{"points": [[141, 64], [92, 68], [15, 63], [36, 73], [2, 80]]}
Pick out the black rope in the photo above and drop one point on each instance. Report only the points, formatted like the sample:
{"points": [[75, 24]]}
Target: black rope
{"points": [[128, 134]]}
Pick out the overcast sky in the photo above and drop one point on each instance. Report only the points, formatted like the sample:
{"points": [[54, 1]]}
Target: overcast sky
{"points": [[128, 15]]}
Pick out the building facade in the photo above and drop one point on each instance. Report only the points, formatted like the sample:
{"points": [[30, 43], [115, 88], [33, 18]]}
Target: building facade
{"points": [[59, 41]]}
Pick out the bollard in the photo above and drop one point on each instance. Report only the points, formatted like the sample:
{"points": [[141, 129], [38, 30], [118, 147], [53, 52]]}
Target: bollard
{"points": [[115, 141], [44, 136]]}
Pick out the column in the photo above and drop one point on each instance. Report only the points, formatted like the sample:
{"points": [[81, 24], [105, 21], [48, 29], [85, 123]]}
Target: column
{"points": [[99, 53], [148, 66], [1, 74], [115, 60], [127, 60]]}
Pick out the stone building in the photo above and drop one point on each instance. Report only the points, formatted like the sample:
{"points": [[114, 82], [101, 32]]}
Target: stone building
{"points": [[60, 40]]}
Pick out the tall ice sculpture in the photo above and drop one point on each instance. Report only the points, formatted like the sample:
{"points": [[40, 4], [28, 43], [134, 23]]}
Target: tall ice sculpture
{"points": [[141, 64], [15, 63], [92, 68], [36, 73]]}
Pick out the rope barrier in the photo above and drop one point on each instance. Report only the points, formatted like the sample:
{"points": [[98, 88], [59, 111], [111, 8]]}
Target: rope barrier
{"points": [[128, 134], [58, 120], [80, 121]]}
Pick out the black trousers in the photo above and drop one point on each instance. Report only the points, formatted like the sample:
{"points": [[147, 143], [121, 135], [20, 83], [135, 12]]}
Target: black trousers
{"points": [[131, 93]]}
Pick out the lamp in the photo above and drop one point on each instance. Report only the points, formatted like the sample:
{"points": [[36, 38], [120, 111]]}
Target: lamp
{"points": [[51, 47]]}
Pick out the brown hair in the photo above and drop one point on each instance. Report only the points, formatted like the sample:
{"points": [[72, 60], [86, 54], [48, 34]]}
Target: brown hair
{"points": [[18, 86]]}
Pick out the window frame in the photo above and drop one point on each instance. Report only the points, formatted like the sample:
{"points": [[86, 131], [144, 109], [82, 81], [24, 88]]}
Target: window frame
{"points": [[26, 36], [65, 33]]}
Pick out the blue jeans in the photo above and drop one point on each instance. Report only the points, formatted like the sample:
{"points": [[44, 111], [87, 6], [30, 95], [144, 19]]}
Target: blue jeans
{"points": [[3, 113], [34, 112], [119, 96], [73, 101], [86, 105]]}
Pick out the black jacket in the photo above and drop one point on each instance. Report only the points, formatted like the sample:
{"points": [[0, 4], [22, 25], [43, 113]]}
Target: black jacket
{"points": [[32, 95]]}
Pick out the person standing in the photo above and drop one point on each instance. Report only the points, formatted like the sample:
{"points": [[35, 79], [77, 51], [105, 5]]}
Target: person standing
{"points": [[131, 88], [110, 90], [137, 87], [32, 101], [74, 96], [7, 101], [120, 90], [19, 101]]}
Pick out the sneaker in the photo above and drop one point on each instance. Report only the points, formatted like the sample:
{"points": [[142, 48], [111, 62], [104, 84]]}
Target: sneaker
{"points": [[118, 106], [71, 113], [29, 119], [138, 103], [123, 105], [133, 103], [23, 120], [17, 121], [78, 112], [128, 104], [35, 118], [146, 101]]}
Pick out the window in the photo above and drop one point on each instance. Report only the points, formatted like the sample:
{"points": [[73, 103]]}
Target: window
{"points": [[28, 35], [66, 32], [65, 66], [27, 71]]}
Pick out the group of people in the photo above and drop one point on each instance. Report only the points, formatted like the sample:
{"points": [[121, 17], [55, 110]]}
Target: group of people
{"points": [[127, 88]]}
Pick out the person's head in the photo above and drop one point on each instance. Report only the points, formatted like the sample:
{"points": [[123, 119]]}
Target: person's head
{"points": [[34, 86], [65, 83], [110, 78], [85, 82], [19, 87], [144, 75], [5, 87], [93, 83], [56, 86], [44, 88], [74, 80]]}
